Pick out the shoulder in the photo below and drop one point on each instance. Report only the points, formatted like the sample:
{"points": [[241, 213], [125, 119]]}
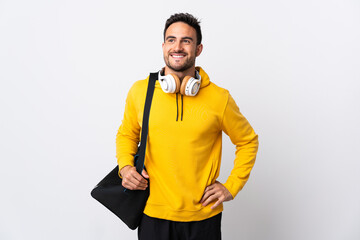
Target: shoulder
{"points": [[210, 87], [218, 94], [139, 84], [138, 87], [219, 90]]}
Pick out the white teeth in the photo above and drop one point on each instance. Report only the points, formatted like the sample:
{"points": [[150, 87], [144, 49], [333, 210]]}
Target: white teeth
{"points": [[177, 56]]}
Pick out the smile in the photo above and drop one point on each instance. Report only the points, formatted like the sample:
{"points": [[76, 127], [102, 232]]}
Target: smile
{"points": [[177, 55]]}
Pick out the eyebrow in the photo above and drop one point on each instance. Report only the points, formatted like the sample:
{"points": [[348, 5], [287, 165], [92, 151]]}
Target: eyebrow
{"points": [[189, 38]]}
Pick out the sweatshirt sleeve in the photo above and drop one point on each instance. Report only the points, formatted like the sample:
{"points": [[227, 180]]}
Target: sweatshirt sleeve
{"points": [[128, 135], [242, 135]]}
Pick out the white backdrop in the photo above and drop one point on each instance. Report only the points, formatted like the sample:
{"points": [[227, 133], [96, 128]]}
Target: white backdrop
{"points": [[291, 66]]}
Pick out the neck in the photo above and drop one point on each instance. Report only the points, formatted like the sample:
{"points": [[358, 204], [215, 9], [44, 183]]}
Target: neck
{"points": [[181, 75]]}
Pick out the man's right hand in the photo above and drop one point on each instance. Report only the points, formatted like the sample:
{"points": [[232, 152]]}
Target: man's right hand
{"points": [[132, 179]]}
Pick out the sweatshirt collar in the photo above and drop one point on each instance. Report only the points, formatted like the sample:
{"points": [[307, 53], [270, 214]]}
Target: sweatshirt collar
{"points": [[205, 80]]}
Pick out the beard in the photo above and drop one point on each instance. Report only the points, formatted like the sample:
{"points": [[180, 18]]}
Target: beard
{"points": [[190, 62]]}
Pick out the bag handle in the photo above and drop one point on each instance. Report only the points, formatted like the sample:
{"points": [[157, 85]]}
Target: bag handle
{"points": [[145, 124]]}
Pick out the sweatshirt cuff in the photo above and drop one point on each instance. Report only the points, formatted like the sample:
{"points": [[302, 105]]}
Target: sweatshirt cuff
{"points": [[233, 187]]}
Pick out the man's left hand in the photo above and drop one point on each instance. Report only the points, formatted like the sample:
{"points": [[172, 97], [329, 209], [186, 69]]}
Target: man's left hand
{"points": [[215, 191]]}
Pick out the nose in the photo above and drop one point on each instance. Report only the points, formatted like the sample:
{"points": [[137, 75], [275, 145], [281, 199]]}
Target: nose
{"points": [[178, 46]]}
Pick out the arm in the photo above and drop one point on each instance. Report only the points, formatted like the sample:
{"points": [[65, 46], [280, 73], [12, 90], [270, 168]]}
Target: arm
{"points": [[242, 135], [127, 140]]}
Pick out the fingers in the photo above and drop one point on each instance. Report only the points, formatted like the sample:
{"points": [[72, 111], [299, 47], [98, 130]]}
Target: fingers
{"points": [[214, 192], [144, 173], [133, 180], [218, 202], [132, 186], [209, 197], [207, 194], [210, 187]]}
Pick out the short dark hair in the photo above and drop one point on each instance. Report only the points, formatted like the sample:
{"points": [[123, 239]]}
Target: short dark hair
{"points": [[188, 19]]}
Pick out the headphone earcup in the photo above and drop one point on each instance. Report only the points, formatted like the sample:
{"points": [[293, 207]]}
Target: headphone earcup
{"points": [[169, 83], [190, 86], [177, 82], [185, 81]]}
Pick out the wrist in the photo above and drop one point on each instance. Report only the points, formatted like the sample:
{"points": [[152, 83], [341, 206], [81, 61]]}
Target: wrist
{"points": [[123, 170]]}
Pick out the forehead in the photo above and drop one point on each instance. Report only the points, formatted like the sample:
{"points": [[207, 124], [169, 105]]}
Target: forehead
{"points": [[180, 29]]}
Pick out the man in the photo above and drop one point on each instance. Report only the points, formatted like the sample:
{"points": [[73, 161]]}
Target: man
{"points": [[183, 155]]}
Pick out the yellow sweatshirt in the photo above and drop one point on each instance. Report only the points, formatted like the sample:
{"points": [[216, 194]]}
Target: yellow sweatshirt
{"points": [[183, 156]]}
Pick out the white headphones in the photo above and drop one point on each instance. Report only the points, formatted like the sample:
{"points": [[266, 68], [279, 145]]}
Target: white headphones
{"points": [[171, 84]]}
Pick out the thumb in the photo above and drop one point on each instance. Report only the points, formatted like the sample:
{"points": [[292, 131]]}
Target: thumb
{"points": [[144, 173]]}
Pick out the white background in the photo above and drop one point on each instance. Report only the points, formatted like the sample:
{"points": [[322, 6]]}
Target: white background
{"points": [[291, 66]]}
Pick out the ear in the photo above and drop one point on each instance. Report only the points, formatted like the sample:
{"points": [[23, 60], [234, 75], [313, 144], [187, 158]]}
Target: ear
{"points": [[199, 49]]}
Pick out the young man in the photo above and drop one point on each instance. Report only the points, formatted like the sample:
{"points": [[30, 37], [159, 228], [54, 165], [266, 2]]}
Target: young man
{"points": [[183, 155]]}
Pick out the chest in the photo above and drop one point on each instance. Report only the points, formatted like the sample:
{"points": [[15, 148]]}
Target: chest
{"points": [[199, 118]]}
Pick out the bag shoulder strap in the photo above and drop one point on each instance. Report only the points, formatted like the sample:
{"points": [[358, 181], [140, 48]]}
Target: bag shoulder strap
{"points": [[145, 124]]}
